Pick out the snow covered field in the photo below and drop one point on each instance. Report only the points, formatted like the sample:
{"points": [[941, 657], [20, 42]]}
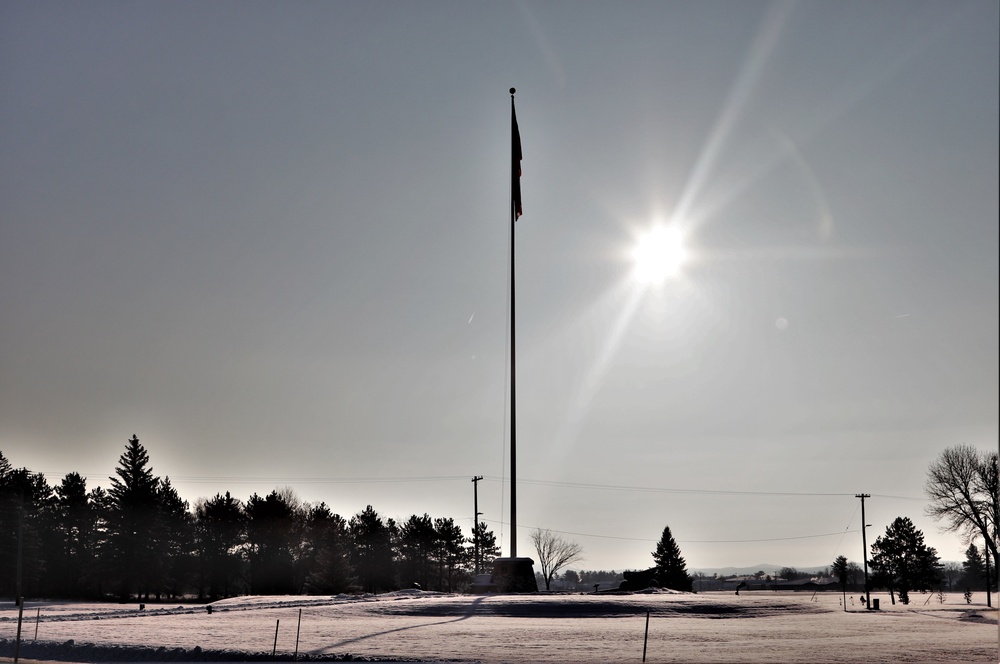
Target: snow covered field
{"points": [[706, 627]]}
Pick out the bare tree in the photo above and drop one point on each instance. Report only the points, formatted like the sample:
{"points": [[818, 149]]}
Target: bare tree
{"points": [[962, 487], [554, 553]]}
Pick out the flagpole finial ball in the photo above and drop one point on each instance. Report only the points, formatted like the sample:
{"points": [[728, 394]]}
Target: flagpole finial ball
{"points": [[512, 90]]}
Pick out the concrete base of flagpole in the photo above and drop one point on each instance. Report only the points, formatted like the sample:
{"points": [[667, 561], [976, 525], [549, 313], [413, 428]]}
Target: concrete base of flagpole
{"points": [[514, 575]]}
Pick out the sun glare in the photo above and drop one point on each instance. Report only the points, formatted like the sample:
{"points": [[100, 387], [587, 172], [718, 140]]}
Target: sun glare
{"points": [[659, 255]]}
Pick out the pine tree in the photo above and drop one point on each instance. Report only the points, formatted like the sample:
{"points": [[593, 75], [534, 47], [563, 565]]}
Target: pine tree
{"points": [[450, 553], [219, 533], [974, 569], [371, 555], [840, 570], [175, 534], [488, 549], [902, 562], [25, 499], [417, 547], [74, 524], [671, 570], [330, 568], [272, 536], [132, 557]]}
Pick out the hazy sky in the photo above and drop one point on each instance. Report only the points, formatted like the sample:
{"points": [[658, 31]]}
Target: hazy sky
{"points": [[271, 240]]}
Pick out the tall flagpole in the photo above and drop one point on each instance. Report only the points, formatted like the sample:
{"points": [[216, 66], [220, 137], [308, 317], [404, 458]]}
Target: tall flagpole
{"points": [[513, 574], [515, 200]]}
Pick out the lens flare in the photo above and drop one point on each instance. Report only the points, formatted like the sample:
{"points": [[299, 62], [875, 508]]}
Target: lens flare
{"points": [[659, 255]]}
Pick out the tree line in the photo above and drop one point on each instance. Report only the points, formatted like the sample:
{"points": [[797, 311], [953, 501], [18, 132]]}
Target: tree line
{"points": [[139, 539]]}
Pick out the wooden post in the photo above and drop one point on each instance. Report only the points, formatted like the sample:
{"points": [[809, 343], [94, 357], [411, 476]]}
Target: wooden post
{"points": [[275, 648], [298, 629], [645, 639], [38, 613]]}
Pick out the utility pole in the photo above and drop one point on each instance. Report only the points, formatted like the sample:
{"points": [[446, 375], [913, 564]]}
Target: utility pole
{"points": [[864, 545], [475, 508]]}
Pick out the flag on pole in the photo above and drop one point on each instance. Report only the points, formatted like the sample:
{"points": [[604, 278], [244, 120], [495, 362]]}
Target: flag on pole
{"points": [[515, 160]]}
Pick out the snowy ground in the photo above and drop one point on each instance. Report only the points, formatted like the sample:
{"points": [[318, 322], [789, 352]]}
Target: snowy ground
{"points": [[413, 625]]}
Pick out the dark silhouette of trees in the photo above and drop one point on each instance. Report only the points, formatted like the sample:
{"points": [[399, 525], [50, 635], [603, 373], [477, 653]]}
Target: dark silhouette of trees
{"points": [[272, 525], [553, 553], [488, 549], [841, 569], [964, 491], [101, 579], [902, 562], [417, 549], [951, 574], [330, 540], [372, 556], [140, 539], [24, 499], [974, 569], [450, 554], [175, 535], [219, 537], [671, 569], [70, 556], [790, 574], [855, 576], [132, 557], [604, 578]]}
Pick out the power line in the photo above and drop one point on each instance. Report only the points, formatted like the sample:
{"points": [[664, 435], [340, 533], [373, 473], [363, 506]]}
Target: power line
{"points": [[644, 539], [244, 479], [208, 479], [709, 492]]}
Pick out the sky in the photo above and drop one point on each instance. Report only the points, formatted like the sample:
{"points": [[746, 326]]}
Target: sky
{"points": [[272, 241]]}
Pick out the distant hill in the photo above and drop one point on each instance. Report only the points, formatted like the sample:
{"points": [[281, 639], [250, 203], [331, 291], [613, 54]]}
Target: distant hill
{"points": [[768, 568]]}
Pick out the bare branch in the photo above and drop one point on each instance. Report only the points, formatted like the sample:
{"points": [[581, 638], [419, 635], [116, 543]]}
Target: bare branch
{"points": [[962, 487], [554, 553]]}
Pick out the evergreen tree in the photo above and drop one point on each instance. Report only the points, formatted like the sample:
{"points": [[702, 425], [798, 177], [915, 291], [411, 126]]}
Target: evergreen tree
{"points": [[219, 536], [100, 579], [175, 534], [450, 554], [488, 549], [25, 497], [974, 569], [371, 555], [272, 537], [330, 571], [416, 549], [133, 561], [841, 570], [671, 570], [902, 562], [73, 525]]}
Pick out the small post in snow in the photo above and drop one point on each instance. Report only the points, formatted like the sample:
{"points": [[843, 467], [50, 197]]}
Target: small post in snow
{"points": [[645, 639], [298, 628], [275, 648], [38, 613]]}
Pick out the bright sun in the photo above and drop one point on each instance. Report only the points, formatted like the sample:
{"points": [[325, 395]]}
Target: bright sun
{"points": [[659, 255]]}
